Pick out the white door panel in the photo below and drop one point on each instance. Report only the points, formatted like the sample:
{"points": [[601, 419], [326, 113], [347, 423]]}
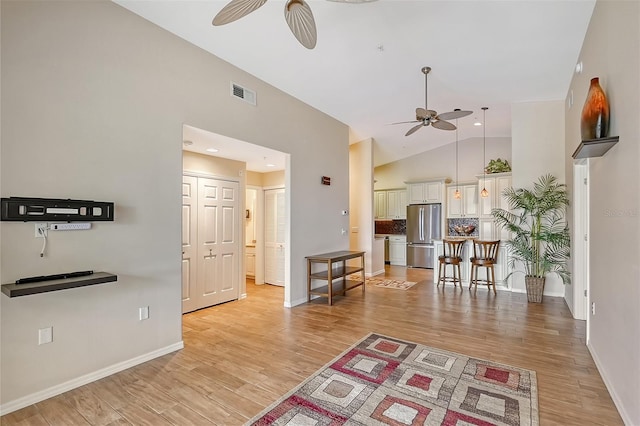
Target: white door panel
{"points": [[275, 228], [212, 238]]}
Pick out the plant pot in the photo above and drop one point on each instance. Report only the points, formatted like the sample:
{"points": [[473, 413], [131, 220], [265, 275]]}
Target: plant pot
{"points": [[535, 288]]}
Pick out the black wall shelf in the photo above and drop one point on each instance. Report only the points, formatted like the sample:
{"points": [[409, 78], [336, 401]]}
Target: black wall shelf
{"points": [[595, 147], [16, 290]]}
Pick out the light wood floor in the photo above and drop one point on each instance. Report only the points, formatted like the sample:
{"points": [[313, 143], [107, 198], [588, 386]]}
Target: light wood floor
{"points": [[241, 356]]}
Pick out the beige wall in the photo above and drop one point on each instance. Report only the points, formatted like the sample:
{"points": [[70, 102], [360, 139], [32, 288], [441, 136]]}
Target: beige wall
{"points": [[214, 166], [441, 162], [611, 51], [273, 179], [93, 103], [254, 178], [537, 148]]}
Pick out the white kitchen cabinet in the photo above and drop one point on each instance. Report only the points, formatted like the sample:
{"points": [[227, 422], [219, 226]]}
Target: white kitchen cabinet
{"points": [[398, 250], [466, 205], [495, 184], [250, 261], [425, 192], [397, 204], [380, 204], [390, 204]]}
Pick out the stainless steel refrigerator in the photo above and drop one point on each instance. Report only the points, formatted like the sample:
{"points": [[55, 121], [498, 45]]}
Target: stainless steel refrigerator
{"points": [[423, 227]]}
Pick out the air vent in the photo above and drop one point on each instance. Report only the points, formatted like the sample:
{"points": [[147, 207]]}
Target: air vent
{"points": [[243, 93]]}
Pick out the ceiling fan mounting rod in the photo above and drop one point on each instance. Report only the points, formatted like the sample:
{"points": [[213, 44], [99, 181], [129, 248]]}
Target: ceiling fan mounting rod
{"points": [[425, 71]]}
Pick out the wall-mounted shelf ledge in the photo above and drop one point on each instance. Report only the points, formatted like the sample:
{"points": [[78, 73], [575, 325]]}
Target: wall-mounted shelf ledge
{"points": [[595, 147], [16, 290]]}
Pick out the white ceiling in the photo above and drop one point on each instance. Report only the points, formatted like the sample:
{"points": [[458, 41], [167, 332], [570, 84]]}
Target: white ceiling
{"points": [[365, 69]]}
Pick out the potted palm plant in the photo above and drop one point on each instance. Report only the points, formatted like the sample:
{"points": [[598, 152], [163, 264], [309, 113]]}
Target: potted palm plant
{"points": [[540, 235]]}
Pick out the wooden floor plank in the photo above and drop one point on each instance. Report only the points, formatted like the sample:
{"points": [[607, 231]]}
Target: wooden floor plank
{"points": [[241, 356]]}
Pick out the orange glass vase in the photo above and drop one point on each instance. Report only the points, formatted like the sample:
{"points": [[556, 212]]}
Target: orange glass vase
{"points": [[594, 122]]}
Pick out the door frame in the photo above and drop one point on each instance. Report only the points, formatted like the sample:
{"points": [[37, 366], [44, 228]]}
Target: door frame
{"points": [[259, 218], [580, 281]]}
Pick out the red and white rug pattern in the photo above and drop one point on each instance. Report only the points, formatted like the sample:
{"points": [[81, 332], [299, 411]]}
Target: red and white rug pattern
{"points": [[386, 381]]}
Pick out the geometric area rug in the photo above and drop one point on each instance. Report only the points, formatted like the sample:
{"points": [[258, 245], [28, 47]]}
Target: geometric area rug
{"points": [[387, 381], [386, 282]]}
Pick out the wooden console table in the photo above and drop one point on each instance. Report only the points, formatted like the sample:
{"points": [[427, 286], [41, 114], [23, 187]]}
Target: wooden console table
{"points": [[334, 272]]}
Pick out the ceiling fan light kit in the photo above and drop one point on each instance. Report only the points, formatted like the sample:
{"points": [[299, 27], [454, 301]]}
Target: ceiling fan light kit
{"points": [[297, 13], [426, 116]]}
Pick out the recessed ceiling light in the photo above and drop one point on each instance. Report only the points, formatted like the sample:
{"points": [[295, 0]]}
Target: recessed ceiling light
{"points": [[271, 165], [477, 123], [211, 150]]}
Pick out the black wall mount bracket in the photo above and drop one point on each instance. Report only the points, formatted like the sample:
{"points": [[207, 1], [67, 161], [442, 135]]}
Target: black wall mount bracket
{"points": [[24, 209]]}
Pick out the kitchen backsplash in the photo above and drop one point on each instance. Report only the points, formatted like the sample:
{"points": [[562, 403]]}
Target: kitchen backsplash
{"points": [[398, 226], [466, 221]]}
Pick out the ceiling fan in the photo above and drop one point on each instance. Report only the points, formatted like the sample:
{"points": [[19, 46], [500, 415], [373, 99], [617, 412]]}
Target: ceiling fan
{"points": [[426, 116], [297, 13]]}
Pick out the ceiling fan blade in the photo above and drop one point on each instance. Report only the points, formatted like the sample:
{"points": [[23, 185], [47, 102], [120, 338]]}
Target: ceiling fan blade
{"points": [[421, 113], [235, 10], [452, 115], [300, 19], [405, 122], [443, 125], [414, 129]]}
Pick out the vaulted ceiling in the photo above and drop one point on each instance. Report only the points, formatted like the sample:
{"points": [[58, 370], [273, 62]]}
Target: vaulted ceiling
{"points": [[365, 68]]}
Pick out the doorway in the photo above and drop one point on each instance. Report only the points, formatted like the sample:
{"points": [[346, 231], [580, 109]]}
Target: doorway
{"points": [[252, 166]]}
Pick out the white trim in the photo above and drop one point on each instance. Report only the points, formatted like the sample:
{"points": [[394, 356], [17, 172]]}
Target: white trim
{"points": [[297, 302], [211, 176], [580, 248], [552, 294], [373, 274], [33, 398], [243, 296], [626, 418]]}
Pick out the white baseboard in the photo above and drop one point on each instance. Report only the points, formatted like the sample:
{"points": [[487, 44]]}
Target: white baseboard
{"points": [[607, 382], [373, 274], [27, 400], [524, 290]]}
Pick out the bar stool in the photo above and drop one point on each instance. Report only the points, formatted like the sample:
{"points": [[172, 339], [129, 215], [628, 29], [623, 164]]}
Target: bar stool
{"points": [[485, 255], [452, 255]]}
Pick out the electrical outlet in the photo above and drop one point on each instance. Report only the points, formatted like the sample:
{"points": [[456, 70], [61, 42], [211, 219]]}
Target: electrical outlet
{"points": [[593, 308], [41, 229], [143, 313], [45, 335]]}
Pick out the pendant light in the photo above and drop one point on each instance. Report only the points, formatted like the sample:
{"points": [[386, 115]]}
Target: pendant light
{"points": [[456, 194], [484, 193]]}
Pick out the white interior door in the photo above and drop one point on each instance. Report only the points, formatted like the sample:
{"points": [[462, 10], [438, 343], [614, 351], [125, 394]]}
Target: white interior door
{"points": [[217, 241], [274, 241], [189, 242], [210, 242]]}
